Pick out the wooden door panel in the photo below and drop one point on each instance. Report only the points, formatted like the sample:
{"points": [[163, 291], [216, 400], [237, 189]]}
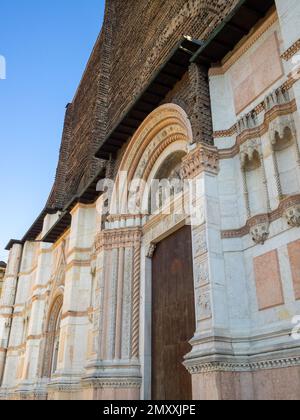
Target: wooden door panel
{"points": [[173, 316]]}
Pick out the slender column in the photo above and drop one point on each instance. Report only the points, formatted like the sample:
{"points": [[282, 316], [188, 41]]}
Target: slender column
{"points": [[136, 300], [265, 182], [277, 174], [246, 192]]}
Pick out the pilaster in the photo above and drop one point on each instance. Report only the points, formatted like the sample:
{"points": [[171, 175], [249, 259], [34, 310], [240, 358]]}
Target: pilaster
{"points": [[201, 168], [114, 368], [75, 321]]}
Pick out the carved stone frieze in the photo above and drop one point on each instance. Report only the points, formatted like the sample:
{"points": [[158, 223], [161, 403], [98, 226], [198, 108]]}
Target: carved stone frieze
{"points": [[203, 159], [204, 310], [290, 208], [118, 238]]}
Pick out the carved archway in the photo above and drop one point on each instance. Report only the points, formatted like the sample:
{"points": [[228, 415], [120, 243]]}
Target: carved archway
{"points": [[166, 131], [52, 334]]}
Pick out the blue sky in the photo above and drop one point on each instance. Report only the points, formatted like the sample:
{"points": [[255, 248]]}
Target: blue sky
{"points": [[46, 45]]}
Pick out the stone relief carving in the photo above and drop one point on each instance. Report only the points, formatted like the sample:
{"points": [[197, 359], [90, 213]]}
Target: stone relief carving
{"points": [[151, 250], [292, 215], [204, 158], [260, 233], [204, 305], [202, 276]]}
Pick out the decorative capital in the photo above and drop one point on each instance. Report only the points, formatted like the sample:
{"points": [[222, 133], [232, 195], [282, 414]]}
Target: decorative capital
{"points": [[204, 158], [292, 215], [259, 227], [118, 238], [290, 210]]}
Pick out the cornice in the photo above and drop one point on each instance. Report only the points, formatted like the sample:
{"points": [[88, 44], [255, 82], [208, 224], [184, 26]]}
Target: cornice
{"points": [[120, 383], [196, 367], [284, 205], [291, 51], [118, 238], [270, 115]]}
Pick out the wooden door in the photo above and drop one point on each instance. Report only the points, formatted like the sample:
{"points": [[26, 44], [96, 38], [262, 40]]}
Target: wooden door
{"points": [[173, 316]]}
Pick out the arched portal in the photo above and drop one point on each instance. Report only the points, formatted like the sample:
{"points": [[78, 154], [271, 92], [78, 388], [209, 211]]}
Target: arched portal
{"points": [[166, 278]]}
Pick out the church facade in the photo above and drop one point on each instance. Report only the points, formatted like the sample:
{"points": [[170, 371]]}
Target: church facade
{"points": [[166, 262]]}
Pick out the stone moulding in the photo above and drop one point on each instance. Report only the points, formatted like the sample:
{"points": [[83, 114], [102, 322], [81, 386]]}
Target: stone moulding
{"points": [[196, 367], [289, 209], [256, 132], [119, 383], [271, 114], [118, 238], [259, 230], [291, 212], [290, 52]]}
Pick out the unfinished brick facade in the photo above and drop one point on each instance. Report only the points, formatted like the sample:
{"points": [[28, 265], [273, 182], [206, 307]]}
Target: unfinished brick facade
{"points": [[127, 53]]}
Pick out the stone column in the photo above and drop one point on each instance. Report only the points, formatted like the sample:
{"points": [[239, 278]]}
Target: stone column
{"points": [[7, 307], [201, 165], [114, 368], [75, 323]]}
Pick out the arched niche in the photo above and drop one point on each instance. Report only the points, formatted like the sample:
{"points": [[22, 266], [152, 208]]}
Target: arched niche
{"points": [[52, 335]]}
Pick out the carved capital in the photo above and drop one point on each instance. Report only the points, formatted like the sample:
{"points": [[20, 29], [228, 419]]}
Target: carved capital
{"points": [[118, 238], [203, 159], [259, 227], [292, 215]]}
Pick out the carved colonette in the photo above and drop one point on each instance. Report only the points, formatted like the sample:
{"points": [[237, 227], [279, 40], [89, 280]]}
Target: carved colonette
{"points": [[202, 164]]}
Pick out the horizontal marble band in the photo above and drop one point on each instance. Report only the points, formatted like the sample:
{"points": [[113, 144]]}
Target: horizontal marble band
{"points": [[284, 205], [291, 51], [271, 115], [241, 366]]}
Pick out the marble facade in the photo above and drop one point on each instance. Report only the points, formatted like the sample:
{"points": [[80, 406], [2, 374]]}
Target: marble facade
{"points": [[75, 315]]}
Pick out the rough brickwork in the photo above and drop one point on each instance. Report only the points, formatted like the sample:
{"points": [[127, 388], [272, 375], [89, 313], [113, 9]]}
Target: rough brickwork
{"points": [[136, 38]]}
